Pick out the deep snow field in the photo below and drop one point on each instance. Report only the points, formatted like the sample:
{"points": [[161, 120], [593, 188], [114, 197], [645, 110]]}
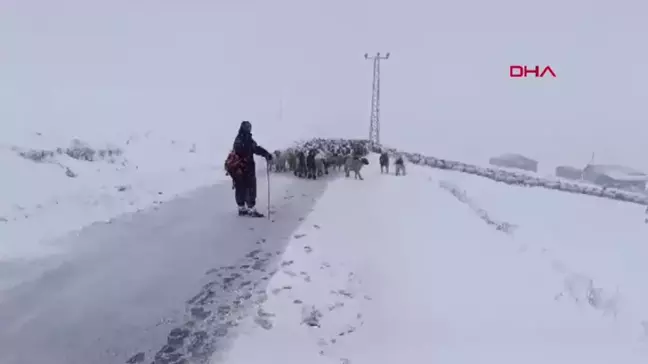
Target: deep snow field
{"points": [[445, 267]]}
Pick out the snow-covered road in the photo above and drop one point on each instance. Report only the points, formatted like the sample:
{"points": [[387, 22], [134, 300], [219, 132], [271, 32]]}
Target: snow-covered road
{"points": [[439, 267], [126, 285]]}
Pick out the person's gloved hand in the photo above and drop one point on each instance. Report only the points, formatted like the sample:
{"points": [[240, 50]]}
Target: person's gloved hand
{"points": [[269, 157]]}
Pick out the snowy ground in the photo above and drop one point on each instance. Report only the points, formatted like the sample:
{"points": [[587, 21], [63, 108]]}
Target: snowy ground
{"points": [[453, 268], [437, 265]]}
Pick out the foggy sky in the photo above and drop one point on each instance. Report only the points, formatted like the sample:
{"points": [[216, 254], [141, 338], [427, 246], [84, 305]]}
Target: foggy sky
{"points": [[198, 67]]}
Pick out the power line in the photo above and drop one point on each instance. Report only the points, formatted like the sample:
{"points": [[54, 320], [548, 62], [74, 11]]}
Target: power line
{"points": [[374, 127]]}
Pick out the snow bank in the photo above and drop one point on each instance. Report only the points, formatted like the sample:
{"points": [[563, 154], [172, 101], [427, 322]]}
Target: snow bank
{"points": [[596, 246], [418, 277], [524, 180]]}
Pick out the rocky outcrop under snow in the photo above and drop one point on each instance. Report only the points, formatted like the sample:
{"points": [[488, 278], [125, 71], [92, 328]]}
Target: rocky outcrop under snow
{"points": [[77, 150]]}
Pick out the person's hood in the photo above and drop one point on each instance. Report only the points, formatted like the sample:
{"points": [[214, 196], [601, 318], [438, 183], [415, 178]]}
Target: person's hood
{"points": [[245, 128]]}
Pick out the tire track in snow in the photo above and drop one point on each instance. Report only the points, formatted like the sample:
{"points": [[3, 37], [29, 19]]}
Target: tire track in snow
{"points": [[580, 288]]}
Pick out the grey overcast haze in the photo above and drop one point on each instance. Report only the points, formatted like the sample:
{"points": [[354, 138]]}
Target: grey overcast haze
{"points": [[85, 67]]}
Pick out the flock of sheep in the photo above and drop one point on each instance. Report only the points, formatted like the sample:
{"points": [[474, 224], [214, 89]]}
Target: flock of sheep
{"points": [[316, 158]]}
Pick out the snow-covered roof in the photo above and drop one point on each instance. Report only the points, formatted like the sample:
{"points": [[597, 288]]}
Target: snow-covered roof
{"points": [[619, 173], [514, 156], [569, 168]]}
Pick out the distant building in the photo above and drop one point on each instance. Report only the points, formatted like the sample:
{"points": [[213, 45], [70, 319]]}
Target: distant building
{"points": [[615, 176], [569, 172], [511, 160]]}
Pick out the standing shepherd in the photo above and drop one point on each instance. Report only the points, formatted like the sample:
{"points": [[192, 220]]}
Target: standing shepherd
{"points": [[241, 167], [384, 162]]}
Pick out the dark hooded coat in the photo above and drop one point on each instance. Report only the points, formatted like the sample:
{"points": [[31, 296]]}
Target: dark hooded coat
{"points": [[246, 147], [245, 184]]}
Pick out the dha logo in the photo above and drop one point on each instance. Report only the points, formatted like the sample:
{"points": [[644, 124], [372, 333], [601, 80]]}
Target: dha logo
{"points": [[518, 71]]}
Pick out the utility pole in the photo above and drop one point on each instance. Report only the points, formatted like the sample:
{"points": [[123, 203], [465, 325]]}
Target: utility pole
{"points": [[374, 127]]}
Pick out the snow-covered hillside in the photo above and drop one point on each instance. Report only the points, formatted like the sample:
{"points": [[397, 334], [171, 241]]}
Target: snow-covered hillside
{"points": [[58, 184], [453, 268]]}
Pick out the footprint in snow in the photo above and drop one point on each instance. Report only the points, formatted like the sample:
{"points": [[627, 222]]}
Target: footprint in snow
{"points": [[213, 271], [335, 306], [200, 313], [177, 337], [254, 252], [307, 278], [259, 264], [263, 319], [263, 322], [137, 358], [276, 291], [342, 292], [311, 316], [349, 330]]}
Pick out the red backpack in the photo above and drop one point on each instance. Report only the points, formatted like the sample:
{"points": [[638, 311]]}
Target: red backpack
{"points": [[234, 164]]}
